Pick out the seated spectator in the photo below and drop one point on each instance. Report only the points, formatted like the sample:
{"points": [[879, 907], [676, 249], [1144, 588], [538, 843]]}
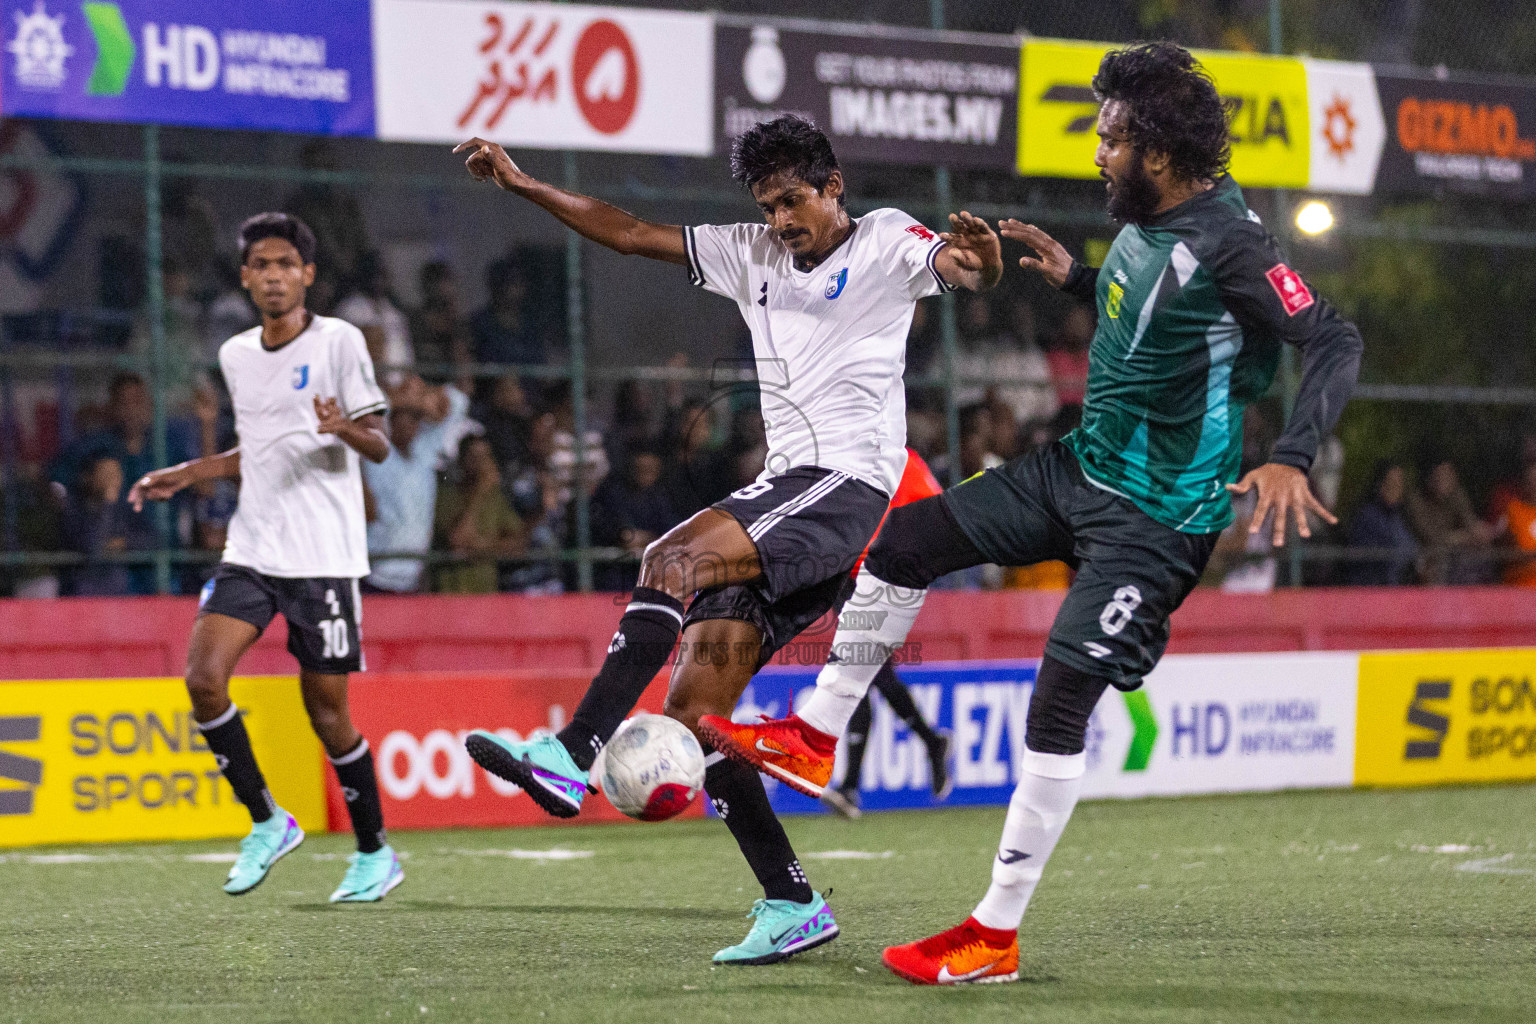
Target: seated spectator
{"points": [[1382, 523], [697, 473], [473, 518], [386, 330], [1443, 521], [1068, 356], [36, 507], [636, 500], [988, 354], [98, 522], [403, 488], [439, 334], [507, 418], [1509, 488], [127, 438], [634, 419], [1520, 529], [504, 331]]}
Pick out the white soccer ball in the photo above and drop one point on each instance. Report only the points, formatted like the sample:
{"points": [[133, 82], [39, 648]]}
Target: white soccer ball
{"points": [[652, 768]]}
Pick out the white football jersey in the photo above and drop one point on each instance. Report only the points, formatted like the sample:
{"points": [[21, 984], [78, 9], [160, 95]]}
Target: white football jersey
{"points": [[301, 492], [830, 343]]}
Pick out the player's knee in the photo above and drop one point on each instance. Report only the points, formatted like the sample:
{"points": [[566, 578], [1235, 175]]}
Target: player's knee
{"points": [[1060, 706], [679, 567], [208, 686], [896, 556]]}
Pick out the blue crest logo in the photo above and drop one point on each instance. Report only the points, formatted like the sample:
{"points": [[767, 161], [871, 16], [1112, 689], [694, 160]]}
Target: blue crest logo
{"points": [[300, 377], [835, 283]]}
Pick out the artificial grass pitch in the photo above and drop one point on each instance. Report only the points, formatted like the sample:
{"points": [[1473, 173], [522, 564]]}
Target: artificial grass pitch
{"points": [[1352, 906]]}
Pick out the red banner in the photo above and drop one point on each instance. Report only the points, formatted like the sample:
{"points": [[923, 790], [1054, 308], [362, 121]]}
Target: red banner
{"points": [[416, 722]]}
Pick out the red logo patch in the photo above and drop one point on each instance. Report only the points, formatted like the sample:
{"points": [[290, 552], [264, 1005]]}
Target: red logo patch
{"points": [[1292, 290], [921, 232]]}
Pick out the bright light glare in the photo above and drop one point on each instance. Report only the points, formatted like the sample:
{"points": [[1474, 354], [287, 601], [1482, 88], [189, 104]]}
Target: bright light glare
{"points": [[1314, 218]]}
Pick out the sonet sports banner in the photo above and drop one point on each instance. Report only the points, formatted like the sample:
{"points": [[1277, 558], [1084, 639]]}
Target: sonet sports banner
{"points": [[115, 760], [1057, 112], [284, 65], [1464, 136], [545, 76], [886, 99]]}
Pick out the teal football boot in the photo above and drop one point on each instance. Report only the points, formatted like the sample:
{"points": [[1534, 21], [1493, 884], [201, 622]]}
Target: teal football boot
{"points": [[369, 876], [268, 841], [542, 767], [782, 928]]}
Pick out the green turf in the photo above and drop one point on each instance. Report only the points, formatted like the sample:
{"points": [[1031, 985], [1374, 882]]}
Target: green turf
{"points": [[1320, 906]]}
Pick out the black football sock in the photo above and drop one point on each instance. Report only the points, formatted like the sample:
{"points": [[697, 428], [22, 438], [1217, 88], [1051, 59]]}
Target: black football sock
{"points": [[360, 788], [740, 800], [858, 740], [644, 640], [231, 746], [900, 700]]}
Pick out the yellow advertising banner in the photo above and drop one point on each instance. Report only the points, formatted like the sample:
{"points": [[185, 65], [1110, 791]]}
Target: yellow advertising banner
{"points": [[1446, 716], [1058, 113], [114, 760]]}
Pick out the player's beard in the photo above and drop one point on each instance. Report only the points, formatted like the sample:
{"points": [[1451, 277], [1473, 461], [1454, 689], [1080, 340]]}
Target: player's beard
{"points": [[1133, 199]]}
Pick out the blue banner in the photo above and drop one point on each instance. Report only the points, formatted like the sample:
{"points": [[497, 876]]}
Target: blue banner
{"points": [[983, 704], [282, 65]]}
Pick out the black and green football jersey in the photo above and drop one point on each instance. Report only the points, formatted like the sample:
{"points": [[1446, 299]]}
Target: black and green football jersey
{"points": [[1193, 307]]}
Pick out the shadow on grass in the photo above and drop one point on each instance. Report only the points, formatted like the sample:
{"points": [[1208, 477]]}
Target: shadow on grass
{"points": [[545, 909]]}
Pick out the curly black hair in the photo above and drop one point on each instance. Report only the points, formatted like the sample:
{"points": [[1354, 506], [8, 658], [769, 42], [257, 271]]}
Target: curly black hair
{"points": [[787, 143], [1173, 106]]}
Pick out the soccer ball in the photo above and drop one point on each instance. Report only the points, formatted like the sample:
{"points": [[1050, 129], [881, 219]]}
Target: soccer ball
{"points": [[652, 768]]}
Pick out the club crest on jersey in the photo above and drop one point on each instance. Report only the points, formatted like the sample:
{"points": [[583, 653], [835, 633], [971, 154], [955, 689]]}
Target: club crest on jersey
{"points": [[835, 283], [301, 377]]}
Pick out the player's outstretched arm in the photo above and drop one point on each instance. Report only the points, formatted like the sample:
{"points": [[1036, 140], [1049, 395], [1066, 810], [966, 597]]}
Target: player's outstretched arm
{"points": [[163, 483], [591, 218], [364, 435], [1051, 260], [973, 257]]}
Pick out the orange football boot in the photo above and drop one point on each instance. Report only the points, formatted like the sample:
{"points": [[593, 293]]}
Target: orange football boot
{"points": [[969, 953], [786, 748]]}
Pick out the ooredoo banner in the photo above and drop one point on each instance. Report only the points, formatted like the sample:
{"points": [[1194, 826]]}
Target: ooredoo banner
{"points": [[85, 761], [416, 723], [285, 65], [1464, 136], [545, 76], [880, 98], [1200, 724]]}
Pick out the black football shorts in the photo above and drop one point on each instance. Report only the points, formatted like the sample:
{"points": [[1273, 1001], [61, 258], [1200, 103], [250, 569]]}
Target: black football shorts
{"points": [[324, 615]]}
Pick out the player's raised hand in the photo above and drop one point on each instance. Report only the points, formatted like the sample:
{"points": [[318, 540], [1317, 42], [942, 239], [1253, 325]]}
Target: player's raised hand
{"points": [[488, 161], [1051, 260], [1284, 490], [157, 486], [972, 250], [332, 420]]}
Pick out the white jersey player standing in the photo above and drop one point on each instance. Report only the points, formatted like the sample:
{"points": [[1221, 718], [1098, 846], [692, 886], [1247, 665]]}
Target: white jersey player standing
{"points": [[829, 300], [306, 408]]}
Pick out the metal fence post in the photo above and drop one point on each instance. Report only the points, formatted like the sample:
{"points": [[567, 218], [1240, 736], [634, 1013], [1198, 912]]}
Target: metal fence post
{"points": [[576, 339], [155, 283]]}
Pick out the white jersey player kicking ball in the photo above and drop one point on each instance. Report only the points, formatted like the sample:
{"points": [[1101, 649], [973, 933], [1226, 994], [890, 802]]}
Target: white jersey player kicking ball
{"points": [[829, 300], [306, 407]]}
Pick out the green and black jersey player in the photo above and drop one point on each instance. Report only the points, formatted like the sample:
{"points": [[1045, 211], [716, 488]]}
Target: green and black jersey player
{"points": [[1194, 303]]}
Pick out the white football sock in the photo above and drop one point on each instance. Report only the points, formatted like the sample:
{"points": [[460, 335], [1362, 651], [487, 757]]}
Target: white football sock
{"points": [[1037, 814], [890, 611]]}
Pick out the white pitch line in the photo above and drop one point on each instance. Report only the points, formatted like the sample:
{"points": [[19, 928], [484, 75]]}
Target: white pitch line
{"points": [[540, 855], [1492, 866]]}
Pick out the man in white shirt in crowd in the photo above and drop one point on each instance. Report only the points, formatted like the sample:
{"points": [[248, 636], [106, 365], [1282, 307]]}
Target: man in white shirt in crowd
{"points": [[402, 490], [307, 408]]}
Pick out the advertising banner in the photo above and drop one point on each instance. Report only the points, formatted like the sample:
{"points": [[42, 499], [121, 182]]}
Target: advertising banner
{"points": [[284, 65], [1057, 112], [1465, 136], [115, 760], [1220, 723], [545, 76], [1446, 716], [1348, 131], [416, 723], [880, 99]]}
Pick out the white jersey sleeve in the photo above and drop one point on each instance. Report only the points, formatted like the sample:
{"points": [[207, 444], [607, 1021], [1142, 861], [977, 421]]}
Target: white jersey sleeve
{"points": [[909, 250], [360, 392], [718, 257]]}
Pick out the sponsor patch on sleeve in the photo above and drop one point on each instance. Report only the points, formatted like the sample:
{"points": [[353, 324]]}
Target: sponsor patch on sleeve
{"points": [[921, 232], [1293, 291]]}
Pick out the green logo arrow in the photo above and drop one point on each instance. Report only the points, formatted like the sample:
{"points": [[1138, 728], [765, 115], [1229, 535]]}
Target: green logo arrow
{"points": [[114, 50], [1140, 707]]}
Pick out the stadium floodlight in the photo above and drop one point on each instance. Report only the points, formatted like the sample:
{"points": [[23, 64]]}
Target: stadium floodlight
{"points": [[1314, 217]]}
